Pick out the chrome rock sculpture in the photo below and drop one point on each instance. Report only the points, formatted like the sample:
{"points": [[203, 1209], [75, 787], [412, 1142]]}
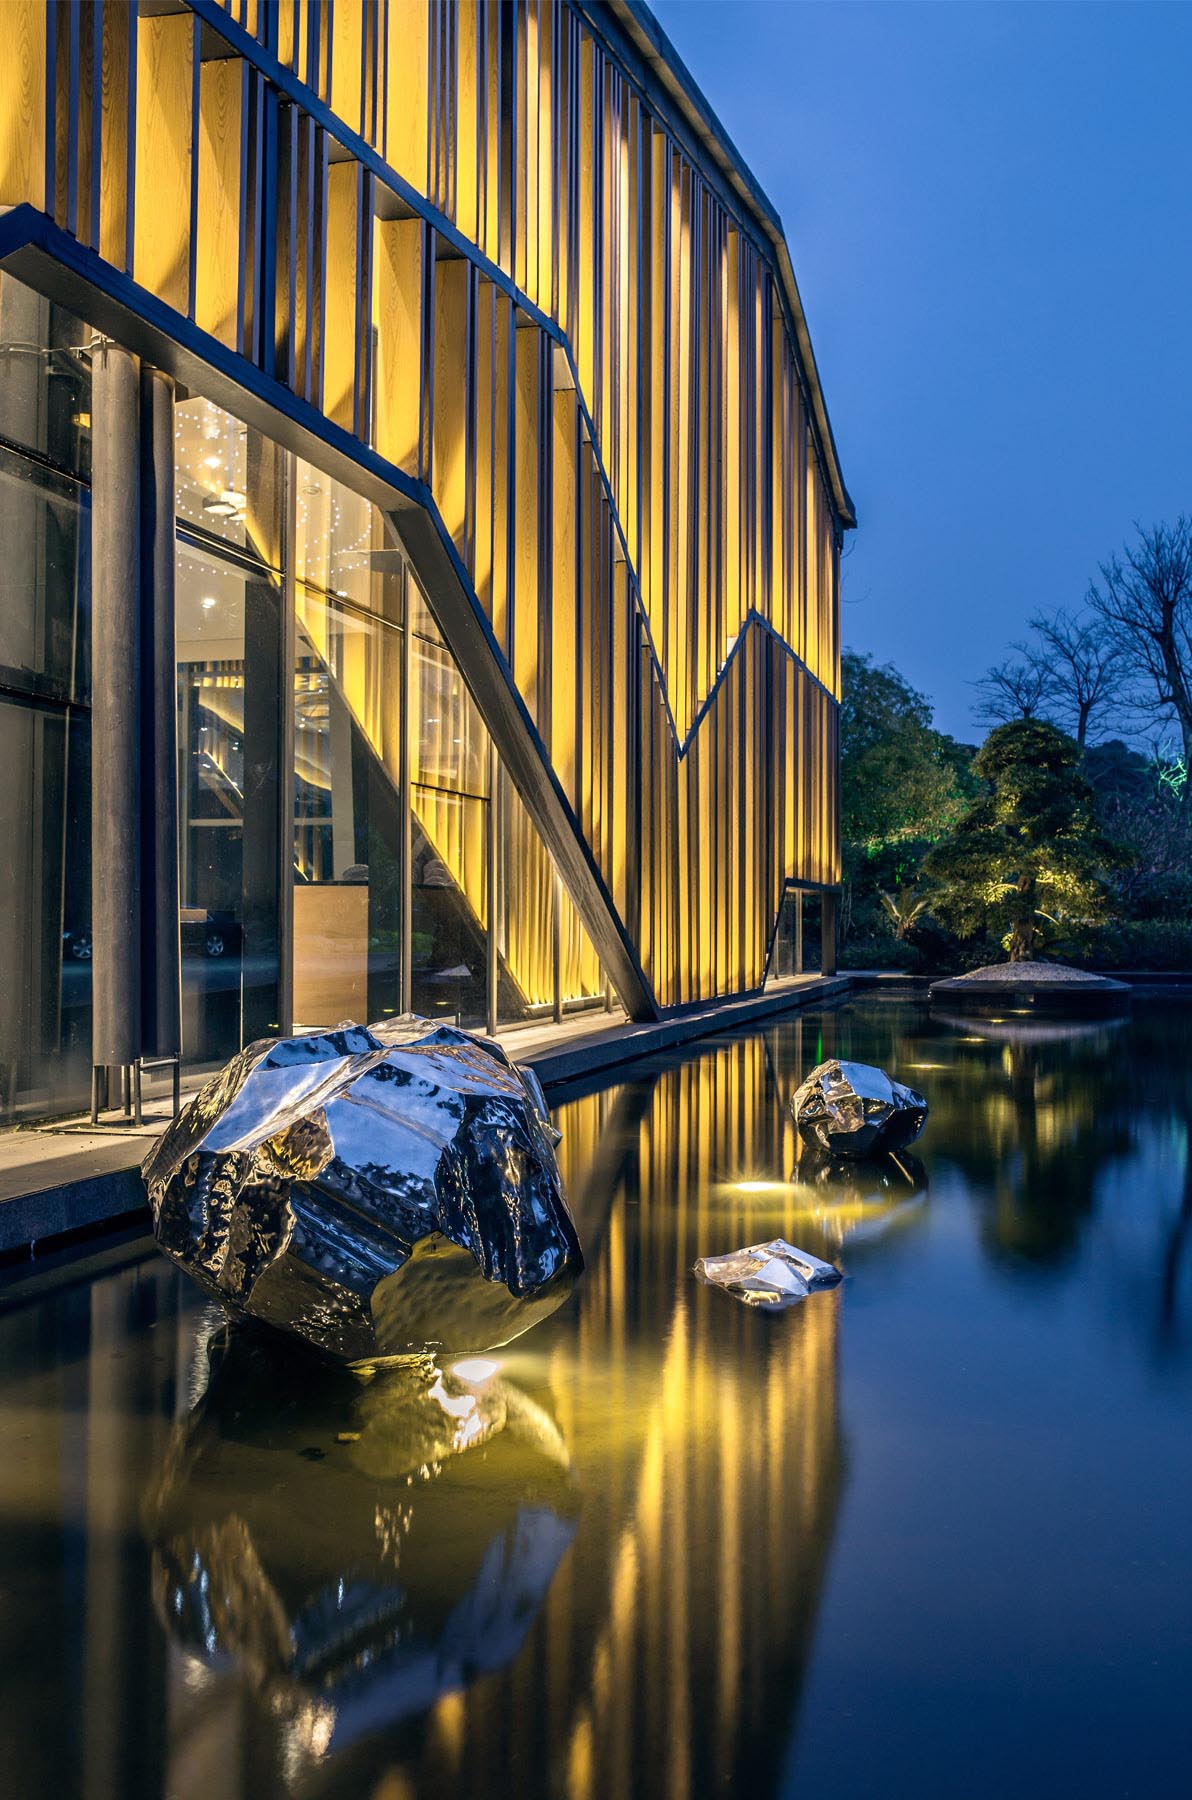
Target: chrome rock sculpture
{"points": [[851, 1109], [774, 1275], [381, 1191]]}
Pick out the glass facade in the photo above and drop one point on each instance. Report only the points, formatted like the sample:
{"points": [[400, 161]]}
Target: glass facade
{"points": [[349, 752], [348, 844], [796, 949], [450, 781], [230, 629], [45, 876]]}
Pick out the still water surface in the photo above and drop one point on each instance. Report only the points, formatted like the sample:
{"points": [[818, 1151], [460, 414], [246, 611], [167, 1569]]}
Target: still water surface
{"points": [[928, 1534]]}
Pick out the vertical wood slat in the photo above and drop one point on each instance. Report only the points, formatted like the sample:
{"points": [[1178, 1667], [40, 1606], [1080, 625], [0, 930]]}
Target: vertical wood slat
{"points": [[27, 118], [167, 68], [702, 451], [223, 145]]}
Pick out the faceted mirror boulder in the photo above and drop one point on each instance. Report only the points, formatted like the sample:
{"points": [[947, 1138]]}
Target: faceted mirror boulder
{"points": [[381, 1191], [851, 1109], [773, 1275]]}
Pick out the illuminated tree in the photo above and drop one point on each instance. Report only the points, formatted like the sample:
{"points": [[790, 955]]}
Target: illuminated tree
{"points": [[1026, 862]]}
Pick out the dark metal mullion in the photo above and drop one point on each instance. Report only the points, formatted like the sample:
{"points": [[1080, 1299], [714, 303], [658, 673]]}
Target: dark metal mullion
{"points": [[210, 542], [288, 533], [404, 800], [12, 694], [493, 872]]}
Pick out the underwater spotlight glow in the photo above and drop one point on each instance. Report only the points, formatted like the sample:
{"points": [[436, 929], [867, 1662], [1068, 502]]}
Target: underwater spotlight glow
{"points": [[475, 1369]]}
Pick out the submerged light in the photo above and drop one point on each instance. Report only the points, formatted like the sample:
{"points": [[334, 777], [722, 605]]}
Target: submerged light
{"points": [[475, 1369]]}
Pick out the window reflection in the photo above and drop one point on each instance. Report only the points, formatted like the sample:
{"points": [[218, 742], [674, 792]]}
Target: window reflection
{"points": [[45, 909], [45, 377], [353, 749], [340, 539], [450, 757], [211, 471], [348, 832], [45, 810], [227, 634]]}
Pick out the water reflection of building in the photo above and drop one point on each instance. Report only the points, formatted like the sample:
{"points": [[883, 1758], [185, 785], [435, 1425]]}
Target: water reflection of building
{"points": [[662, 1653], [708, 1455]]}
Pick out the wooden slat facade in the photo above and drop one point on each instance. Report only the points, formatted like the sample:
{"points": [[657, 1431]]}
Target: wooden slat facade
{"points": [[476, 237]]}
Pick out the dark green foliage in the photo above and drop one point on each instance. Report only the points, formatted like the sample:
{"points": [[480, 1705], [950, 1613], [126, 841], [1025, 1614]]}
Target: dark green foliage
{"points": [[901, 781], [903, 784], [1027, 861]]}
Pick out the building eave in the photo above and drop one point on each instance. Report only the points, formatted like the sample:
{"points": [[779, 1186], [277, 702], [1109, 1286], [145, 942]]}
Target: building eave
{"points": [[656, 51]]}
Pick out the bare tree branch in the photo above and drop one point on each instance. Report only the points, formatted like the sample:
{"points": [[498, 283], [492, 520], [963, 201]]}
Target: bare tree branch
{"points": [[1013, 690], [1144, 599], [1086, 673]]}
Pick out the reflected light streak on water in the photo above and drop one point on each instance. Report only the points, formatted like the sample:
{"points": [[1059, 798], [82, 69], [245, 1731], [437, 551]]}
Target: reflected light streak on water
{"points": [[910, 1537]]}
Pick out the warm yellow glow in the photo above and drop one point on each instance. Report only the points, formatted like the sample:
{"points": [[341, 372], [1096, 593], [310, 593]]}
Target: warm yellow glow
{"points": [[618, 533], [475, 1369], [763, 1187]]}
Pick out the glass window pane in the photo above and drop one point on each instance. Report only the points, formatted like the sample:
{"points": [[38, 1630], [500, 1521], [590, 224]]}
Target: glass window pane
{"points": [[449, 926], [581, 978], [45, 377], [348, 825], [226, 633], [526, 915], [45, 543], [448, 743], [225, 479], [529, 892], [45, 911], [344, 547]]}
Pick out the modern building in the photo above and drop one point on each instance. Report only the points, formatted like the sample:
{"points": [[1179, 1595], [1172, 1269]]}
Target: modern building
{"points": [[419, 531]]}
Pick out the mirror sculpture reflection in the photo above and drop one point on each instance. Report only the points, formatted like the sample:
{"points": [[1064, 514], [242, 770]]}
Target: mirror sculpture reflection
{"points": [[859, 1200], [850, 1109], [379, 1191], [355, 1549]]}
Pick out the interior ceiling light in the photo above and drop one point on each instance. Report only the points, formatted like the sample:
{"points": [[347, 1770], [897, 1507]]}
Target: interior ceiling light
{"points": [[225, 504]]}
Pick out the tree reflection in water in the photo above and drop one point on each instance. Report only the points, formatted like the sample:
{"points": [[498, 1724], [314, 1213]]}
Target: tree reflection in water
{"points": [[1044, 1117], [1036, 1117]]}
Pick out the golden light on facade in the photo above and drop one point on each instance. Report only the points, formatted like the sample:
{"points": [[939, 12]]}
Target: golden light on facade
{"points": [[501, 276]]}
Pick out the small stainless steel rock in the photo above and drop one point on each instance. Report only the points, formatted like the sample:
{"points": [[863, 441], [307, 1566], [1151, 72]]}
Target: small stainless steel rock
{"points": [[852, 1109], [380, 1191], [774, 1275]]}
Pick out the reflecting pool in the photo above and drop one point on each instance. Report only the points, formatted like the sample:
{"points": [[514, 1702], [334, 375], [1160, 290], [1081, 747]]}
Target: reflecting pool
{"points": [[927, 1533]]}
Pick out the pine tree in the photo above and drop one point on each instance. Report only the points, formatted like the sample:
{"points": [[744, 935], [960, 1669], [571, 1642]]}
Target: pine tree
{"points": [[1026, 861]]}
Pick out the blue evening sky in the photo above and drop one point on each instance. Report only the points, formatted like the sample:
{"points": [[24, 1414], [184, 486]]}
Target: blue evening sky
{"points": [[989, 209]]}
